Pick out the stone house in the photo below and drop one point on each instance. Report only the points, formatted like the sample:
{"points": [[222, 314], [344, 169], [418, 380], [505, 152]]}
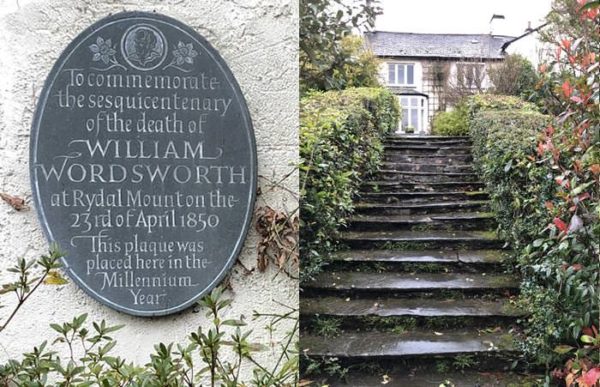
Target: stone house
{"points": [[430, 72]]}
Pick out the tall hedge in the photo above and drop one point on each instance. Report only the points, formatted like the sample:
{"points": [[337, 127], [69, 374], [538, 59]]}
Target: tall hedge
{"points": [[518, 186], [457, 121], [480, 102], [340, 144], [558, 259]]}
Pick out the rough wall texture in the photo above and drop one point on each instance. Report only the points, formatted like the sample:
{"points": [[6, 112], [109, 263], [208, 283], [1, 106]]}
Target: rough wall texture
{"points": [[258, 39]]}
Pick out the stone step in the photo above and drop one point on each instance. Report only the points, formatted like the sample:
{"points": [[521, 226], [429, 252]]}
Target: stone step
{"points": [[397, 282], [430, 150], [407, 307], [425, 177], [451, 159], [433, 239], [485, 257], [430, 142], [420, 197], [430, 377], [429, 221], [369, 345], [441, 167], [399, 186], [420, 208], [424, 137]]}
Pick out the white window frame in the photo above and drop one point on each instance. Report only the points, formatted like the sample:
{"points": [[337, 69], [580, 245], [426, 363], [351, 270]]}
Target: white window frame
{"points": [[421, 107], [404, 66], [471, 67]]}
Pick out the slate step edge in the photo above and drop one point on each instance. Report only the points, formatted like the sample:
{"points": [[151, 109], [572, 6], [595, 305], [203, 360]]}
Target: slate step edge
{"points": [[420, 256], [432, 378], [460, 204], [425, 173], [413, 343], [414, 197], [403, 307], [442, 183], [411, 282], [418, 236], [428, 137]]}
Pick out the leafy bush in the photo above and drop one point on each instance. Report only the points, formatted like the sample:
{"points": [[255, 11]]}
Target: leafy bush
{"points": [[479, 102], [340, 143], [199, 361], [360, 67], [515, 75], [502, 143], [550, 217], [543, 174], [452, 123], [325, 54]]}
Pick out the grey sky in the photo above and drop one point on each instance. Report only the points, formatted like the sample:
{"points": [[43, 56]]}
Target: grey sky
{"points": [[460, 16]]}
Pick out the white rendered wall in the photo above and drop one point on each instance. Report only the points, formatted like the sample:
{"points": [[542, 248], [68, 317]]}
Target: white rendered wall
{"points": [[259, 40]]}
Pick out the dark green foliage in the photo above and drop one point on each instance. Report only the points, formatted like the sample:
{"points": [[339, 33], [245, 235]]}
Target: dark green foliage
{"points": [[452, 123], [340, 144], [359, 68], [200, 361], [479, 102], [562, 265], [530, 195], [518, 187], [513, 76], [324, 58]]}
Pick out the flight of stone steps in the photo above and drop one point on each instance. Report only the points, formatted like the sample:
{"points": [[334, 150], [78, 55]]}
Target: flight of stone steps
{"points": [[421, 295]]}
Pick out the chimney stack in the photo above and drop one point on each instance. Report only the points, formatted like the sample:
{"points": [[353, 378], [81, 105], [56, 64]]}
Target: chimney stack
{"points": [[495, 23]]}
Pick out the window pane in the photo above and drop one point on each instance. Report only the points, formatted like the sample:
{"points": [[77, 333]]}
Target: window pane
{"points": [[401, 74], [414, 101], [391, 73], [404, 101], [410, 75], [404, 118], [413, 118]]}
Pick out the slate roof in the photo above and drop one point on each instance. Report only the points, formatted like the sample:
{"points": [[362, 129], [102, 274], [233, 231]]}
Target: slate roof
{"points": [[408, 44]]}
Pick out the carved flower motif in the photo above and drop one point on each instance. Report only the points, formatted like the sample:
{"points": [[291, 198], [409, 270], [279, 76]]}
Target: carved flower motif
{"points": [[184, 53], [102, 50]]}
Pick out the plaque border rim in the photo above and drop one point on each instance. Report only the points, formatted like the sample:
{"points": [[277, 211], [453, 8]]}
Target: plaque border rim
{"points": [[246, 117]]}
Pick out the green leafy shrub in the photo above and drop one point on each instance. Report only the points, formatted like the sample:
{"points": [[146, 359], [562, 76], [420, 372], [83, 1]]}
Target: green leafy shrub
{"points": [[479, 102], [543, 183], [328, 60], [515, 75], [502, 143], [359, 69], [200, 361], [452, 123], [340, 144]]}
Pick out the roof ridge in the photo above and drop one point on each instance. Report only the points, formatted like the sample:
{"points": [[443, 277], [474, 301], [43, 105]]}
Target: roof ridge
{"points": [[438, 33]]}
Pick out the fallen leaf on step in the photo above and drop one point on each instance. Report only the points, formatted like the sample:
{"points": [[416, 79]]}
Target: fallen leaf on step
{"points": [[385, 379]]}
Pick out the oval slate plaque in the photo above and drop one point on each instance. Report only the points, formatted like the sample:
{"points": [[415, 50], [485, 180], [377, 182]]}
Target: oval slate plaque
{"points": [[143, 163]]}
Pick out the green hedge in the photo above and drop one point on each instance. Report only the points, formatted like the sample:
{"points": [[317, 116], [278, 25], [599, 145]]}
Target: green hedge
{"points": [[502, 142], [457, 121], [340, 143], [478, 102], [452, 123], [559, 268]]}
